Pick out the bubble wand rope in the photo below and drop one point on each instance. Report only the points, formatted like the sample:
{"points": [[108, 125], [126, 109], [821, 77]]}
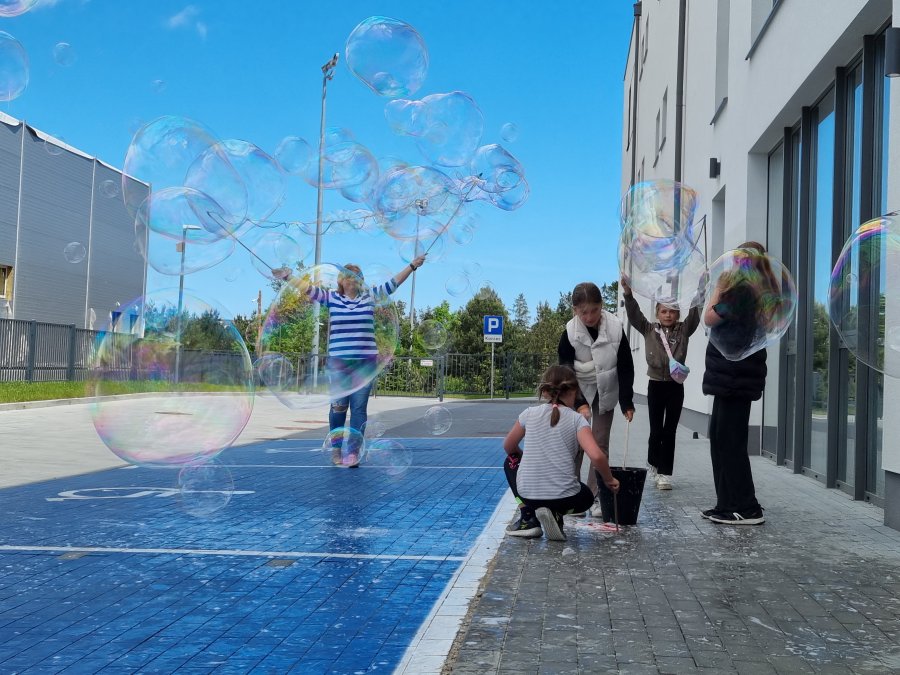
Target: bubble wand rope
{"points": [[247, 248], [450, 219]]}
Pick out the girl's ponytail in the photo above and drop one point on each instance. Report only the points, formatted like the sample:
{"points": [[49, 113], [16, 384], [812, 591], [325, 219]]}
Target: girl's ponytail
{"points": [[557, 380], [554, 414]]}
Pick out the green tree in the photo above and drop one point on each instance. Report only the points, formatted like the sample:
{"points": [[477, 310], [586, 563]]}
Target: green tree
{"points": [[546, 330], [468, 333], [610, 293]]}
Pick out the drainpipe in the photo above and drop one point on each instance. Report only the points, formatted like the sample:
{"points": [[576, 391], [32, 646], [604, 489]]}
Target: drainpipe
{"points": [[634, 88], [679, 87]]}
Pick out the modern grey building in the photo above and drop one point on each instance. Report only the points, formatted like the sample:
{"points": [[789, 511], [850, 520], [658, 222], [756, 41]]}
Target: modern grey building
{"points": [[67, 242], [781, 114]]}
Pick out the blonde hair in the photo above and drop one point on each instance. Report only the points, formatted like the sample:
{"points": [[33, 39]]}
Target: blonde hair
{"points": [[557, 381], [343, 276]]}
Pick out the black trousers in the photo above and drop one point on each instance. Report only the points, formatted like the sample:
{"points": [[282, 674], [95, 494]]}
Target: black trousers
{"points": [[665, 401], [580, 501], [728, 434]]}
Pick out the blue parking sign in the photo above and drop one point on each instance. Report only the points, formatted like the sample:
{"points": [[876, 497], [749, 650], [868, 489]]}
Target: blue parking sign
{"points": [[493, 328]]}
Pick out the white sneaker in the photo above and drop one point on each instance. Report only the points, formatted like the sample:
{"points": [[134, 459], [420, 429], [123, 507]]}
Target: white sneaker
{"points": [[651, 473], [596, 510], [663, 482]]}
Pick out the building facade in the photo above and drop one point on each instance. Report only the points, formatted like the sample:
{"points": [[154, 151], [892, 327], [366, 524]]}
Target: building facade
{"points": [[67, 242], [779, 114]]}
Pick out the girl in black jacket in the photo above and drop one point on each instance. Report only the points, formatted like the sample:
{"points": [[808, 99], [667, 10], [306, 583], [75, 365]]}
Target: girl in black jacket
{"points": [[732, 315]]}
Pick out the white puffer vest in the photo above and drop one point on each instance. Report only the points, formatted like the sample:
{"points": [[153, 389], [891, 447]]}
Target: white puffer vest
{"points": [[595, 360]]}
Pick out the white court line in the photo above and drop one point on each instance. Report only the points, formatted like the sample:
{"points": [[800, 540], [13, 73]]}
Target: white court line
{"points": [[431, 645], [361, 466], [228, 552]]}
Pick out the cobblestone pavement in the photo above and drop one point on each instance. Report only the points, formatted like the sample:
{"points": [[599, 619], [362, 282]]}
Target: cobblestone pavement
{"points": [[816, 589]]}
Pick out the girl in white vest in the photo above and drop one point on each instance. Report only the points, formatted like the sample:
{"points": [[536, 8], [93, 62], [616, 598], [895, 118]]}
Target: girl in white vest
{"points": [[595, 346]]}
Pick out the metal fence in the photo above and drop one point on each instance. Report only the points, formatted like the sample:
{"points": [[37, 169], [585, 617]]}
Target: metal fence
{"points": [[33, 351]]}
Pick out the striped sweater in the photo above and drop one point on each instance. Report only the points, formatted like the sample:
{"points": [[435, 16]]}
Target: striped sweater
{"points": [[351, 330]]}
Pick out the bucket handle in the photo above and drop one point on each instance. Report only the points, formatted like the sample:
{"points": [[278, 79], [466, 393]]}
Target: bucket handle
{"points": [[625, 454]]}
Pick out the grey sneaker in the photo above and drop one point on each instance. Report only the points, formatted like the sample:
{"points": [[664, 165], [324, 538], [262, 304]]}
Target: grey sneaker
{"points": [[525, 527], [596, 509], [663, 482], [552, 524]]}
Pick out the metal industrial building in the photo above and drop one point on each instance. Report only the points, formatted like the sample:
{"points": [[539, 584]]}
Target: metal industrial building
{"points": [[779, 113], [52, 196]]}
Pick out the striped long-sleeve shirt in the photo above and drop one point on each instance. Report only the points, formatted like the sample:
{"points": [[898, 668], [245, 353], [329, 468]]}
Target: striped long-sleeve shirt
{"points": [[351, 330]]}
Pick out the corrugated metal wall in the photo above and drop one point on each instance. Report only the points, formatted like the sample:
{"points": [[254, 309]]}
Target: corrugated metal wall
{"points": [[10, 145], [116, 268], [62, 202], [55, 211]]}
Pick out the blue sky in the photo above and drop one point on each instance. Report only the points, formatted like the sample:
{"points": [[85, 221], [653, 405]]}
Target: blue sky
{"points": [[251, 71]]}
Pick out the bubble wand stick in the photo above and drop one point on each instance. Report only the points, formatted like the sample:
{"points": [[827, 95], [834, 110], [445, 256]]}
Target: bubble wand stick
{"points": [[453, 215], [247, 248]]}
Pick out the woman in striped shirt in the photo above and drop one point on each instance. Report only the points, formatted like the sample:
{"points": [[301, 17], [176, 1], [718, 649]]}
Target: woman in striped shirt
{"points": [[352, 350]]}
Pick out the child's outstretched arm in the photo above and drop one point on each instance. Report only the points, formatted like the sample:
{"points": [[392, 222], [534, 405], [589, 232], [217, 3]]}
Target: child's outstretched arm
{"points": [[691, 321], [635, 316], [513, 438], [598, 457]]}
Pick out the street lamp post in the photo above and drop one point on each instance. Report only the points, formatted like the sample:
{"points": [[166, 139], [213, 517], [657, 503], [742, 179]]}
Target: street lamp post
{"points": [[180, 247], [327, 74], [421, 207]]}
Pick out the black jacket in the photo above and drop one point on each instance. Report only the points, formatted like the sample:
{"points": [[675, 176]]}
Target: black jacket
{"points": [[734, 379]]}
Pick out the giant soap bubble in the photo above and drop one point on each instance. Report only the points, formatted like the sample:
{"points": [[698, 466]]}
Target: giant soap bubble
{"points": [[657, 221], [162, 152], [339, 370], [678, 287], [497, 177], [447, 127], [195, 365], [866, 273], [14, 67], [15, 7], [388, 56], [753, 299]]}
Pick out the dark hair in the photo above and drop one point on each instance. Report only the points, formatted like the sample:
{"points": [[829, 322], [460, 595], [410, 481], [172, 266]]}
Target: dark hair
{"points": [[586, 292], [556, 381]]}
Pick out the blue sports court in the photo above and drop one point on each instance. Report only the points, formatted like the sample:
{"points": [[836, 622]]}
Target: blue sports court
{"points": [[309, 568]]}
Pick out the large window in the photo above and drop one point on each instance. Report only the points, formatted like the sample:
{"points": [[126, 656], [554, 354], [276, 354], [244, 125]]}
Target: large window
{"points": [[833, 176], [815, 455]]}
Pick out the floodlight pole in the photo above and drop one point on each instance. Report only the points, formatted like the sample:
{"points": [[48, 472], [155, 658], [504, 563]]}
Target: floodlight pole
{"points": [[327, 74], [421, 207], [180, 247]]}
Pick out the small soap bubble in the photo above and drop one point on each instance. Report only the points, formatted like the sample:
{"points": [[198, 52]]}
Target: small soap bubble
{"points": [[344, 446], [205, 488], [458, 285], [509, 132], [74, 252], [433, 334], [109, 188], [437, 420], [63, 54], [388, 455]]}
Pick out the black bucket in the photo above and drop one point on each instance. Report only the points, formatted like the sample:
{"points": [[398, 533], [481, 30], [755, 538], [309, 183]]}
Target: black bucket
{"points": [[631, 487]]}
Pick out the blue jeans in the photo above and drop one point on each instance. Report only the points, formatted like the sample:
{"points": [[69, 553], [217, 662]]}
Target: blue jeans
{"points": [[357, 403]]}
